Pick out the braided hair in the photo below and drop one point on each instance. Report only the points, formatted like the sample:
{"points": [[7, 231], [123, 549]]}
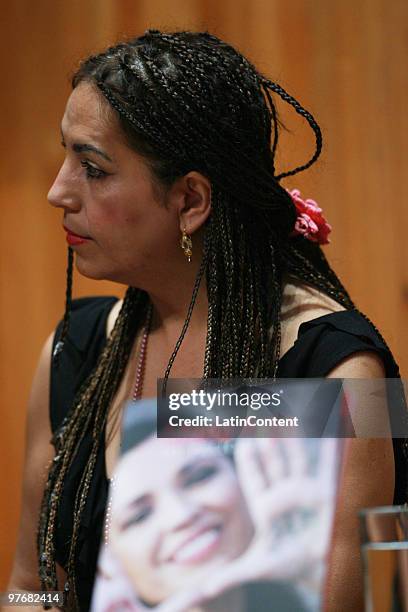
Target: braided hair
{"points": [[190, 101]]}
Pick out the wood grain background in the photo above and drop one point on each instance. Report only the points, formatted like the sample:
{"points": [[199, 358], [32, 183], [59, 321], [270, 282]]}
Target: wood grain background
{"points": [[345, 60]]}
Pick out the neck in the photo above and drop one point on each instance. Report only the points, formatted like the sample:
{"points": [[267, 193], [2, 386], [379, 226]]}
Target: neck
{"points": [[171, 297], [169, 284], [170, 311]]}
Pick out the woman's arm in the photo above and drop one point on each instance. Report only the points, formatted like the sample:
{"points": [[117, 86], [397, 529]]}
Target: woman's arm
{"points": [[39, 453], [368, 480]]}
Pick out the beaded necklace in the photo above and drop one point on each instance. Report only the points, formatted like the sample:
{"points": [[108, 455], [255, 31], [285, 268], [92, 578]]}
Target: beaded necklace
{"points": [[136, 395]]}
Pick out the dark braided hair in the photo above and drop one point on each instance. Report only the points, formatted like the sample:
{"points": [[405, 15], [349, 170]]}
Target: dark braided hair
{"points": [[188, 101], [67, 315]]}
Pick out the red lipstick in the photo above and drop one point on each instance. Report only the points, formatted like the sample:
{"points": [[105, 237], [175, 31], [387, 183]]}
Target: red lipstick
{"points": [[75, 239]]}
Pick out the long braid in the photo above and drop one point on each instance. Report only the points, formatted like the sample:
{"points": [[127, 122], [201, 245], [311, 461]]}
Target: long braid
{"points": [[88, 413], [188, 101], [306, 115], [68, 301], [187, 320]]}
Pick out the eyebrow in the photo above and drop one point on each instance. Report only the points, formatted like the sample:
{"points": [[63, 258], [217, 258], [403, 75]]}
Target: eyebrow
{"points": [[87, 148]]}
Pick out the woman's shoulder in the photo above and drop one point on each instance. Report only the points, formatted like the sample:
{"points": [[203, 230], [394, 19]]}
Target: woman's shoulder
{"points": [[87, 334], [301, 304], [319, 333]]}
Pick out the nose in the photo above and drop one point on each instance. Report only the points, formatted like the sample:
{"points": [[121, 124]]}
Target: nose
{"points": [[178, 512], [64, 192]]}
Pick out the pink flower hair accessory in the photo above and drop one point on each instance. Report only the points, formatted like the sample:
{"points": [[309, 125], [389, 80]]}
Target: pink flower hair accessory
{"points": [[310, 222]]}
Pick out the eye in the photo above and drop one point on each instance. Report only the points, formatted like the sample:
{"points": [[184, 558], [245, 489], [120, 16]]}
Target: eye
{"points": [[137, 518], [200, 474], [92, 172]]}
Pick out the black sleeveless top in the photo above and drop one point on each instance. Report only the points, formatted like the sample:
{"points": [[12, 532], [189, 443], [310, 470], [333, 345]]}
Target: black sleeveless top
{"points": [[321, 344]]}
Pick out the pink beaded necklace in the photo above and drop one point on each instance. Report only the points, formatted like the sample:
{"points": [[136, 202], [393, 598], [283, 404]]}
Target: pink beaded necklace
{"points": [[136, 395]]}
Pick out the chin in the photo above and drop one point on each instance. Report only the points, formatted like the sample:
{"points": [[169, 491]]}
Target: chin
{"points": [[90, 269], [105, 271]]}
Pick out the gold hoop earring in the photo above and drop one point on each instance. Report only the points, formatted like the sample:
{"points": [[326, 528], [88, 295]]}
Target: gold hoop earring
{"points": [[186, 244]]}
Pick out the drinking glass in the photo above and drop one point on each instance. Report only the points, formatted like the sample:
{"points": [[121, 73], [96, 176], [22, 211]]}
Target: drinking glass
{"points": [[384, 545]]}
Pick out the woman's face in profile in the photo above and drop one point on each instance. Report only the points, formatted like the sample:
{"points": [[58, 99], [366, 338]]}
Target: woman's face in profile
{"points": [[108, 196], [178, 512]]}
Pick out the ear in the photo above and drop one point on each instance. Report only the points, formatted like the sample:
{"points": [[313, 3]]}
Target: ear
{"points": [[192, 197]]}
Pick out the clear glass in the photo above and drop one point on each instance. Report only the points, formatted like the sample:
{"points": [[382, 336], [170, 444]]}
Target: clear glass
{"points": [[384, 545]]}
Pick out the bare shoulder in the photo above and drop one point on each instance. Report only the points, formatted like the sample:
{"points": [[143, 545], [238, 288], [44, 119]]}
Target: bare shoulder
{"points": [[363, 364], [301, 303]]}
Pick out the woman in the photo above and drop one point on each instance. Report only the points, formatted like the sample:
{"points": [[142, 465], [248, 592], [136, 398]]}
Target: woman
{"points": [[169, 186]]}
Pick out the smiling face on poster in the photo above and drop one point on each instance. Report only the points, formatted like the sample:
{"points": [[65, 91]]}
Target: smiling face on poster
{"points": [[186, 512], [197, 525]]}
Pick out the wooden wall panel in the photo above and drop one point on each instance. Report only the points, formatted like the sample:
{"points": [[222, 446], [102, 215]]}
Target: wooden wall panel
{"points": [[344, 60]]}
